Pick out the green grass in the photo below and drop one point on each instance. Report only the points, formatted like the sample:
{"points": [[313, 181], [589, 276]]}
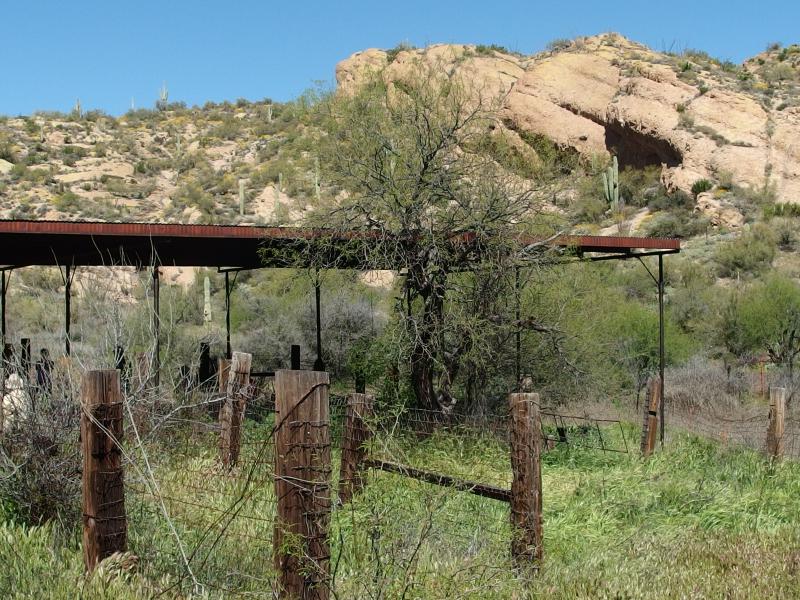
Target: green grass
{"points": [[697, 520]]}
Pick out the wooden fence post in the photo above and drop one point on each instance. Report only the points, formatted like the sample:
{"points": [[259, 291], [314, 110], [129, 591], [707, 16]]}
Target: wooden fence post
{"points": [[355, 434], [650, 421], [104, 522], [775, 429], [526, 485], [236, 377], [302, 484]]}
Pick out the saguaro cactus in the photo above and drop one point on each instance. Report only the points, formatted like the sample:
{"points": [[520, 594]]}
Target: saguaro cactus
{"points": [[611, 184], [163, 98], [77, 109], [241, 197]]}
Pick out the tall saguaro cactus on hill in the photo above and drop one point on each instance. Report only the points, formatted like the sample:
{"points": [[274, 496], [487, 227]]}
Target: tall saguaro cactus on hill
{"points": [[611, 184], [611, 193], [163, 98]]}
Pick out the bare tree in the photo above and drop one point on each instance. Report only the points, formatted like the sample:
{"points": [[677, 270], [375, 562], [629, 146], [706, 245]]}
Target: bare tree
{"points": [[411, 155]]}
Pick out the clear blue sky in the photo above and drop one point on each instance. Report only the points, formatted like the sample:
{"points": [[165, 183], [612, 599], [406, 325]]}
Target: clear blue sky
{"points": [[106, 52]]}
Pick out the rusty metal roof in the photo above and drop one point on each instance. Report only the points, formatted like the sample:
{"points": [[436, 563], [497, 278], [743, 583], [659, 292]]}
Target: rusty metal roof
{"points": [[87, 243]]}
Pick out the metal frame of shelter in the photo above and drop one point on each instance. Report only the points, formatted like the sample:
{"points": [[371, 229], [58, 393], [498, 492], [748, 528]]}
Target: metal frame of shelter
{"points": [[234, 248]]}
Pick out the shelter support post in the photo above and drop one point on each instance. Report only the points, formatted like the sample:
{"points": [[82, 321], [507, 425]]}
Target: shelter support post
{"points": [[661, 351], [227, 316], [156, 327], [518, 332], [3, 292], [319, 364], [67, 309]]}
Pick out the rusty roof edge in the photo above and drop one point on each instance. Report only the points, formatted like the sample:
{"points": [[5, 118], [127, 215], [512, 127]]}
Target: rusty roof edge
{"points": [[91, 228]]}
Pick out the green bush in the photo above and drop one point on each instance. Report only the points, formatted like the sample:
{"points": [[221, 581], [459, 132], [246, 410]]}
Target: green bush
{"points": [[662, 200], [392, 53], [677, 224], [483, 50], [700, 186], [559, 44], [67, 202], [781, 209], [7, 148], [752, 253]]}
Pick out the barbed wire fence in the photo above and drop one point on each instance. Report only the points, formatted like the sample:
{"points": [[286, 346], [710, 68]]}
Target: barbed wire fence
{"points": [[424, 508]]}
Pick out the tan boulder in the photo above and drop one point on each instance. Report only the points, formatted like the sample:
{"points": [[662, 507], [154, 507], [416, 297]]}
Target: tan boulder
{"points": [[720, 212], [5, 167]]}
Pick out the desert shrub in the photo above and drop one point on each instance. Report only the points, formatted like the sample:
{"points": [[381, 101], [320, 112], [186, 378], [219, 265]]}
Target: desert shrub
{"points": [[39, 459], [750, 253], [588, 208], [558, 44], [764, 318], [555, 159], [392, 53], [785, 233], [7, 151], [484, 50], [701, 383], [192, 194], [67, 202], [662, 200], [679, 223], [781, 209], [509, 156], [229, 129], [638, 186], [700, 186]]}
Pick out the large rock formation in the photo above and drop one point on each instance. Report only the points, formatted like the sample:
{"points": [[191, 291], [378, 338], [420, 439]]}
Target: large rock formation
{"points": [[696, 117]]}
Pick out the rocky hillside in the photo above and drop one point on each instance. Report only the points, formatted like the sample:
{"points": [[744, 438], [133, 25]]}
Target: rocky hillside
{"points": [[692, 116], [229, 163], [723, 135]]}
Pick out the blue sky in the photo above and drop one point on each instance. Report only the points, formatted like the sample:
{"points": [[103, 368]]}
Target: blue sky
{"points": [[106, 53]]}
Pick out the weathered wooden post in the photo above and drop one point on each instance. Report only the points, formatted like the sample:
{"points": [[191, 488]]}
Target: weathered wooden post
{"points": [[302, 484], [104, 522], [775, 429], [526, 485], [355, 434], [236, 374], [650, 420]]}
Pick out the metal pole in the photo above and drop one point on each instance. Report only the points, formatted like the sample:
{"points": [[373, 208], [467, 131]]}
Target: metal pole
{"points": [[228, 352], [518, 333], [3, 290], [661, 352], [67, 308], [157, 326], [319, 365]]}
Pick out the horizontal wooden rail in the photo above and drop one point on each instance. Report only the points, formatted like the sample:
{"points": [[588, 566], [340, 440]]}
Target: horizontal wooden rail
{"points": [[479, 489]]}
